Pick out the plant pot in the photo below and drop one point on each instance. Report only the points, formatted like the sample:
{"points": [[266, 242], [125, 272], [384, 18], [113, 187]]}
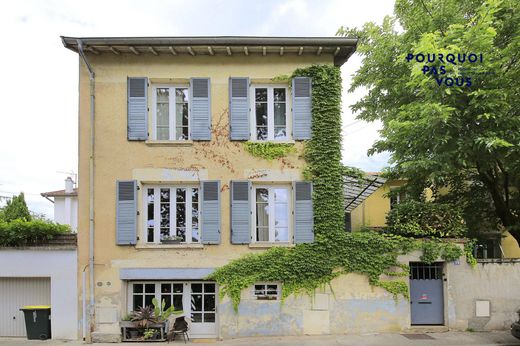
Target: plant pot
{"points": [[170, 241]]}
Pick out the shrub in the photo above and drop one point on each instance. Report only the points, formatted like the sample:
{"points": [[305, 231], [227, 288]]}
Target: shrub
{"points": [[22, 233], [426, 219], [16, 208]]}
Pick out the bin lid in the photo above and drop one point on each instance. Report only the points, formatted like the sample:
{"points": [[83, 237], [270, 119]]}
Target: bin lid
{"points": [[35, 307]]}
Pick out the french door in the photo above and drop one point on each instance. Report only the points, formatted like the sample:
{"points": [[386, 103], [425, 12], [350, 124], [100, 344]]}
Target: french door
{"points": [[197, 300]]}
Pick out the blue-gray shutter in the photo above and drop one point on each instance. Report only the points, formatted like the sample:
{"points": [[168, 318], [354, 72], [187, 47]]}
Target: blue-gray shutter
{"points": [[303, 215], [126, 212], [137, 108], [210, 212], [239, 109], [302, 107], [240, 212], [200, 109]]}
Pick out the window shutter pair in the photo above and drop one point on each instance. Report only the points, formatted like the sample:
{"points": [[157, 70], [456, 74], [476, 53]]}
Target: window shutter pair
{"points": [[241, 212], [126, 212], [137, 108], [239, 108]]}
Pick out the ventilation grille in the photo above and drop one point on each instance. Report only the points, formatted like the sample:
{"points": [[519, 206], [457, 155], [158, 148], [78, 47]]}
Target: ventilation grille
{"points": [[240, 191], [302, 87], [303, 191], [423, 271], [200, 87], [137, 87], [126, 191], [210, 191], [239, 87]]}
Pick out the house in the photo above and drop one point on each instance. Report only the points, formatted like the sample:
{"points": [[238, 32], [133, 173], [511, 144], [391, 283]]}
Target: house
{"points": [[65, 204], [368, 201], [162, 123]]}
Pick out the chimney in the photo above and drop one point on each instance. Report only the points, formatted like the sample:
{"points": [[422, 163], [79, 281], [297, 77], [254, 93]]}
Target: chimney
{"points": [[69, 185]]}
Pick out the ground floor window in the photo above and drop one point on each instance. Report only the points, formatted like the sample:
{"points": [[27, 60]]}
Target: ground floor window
{"points": [[266, 291], [195, 299], [172, 212], [271, 213]]}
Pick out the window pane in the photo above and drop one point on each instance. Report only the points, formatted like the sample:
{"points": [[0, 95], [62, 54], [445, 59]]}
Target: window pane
{"points": [[281, 234], [209, 317], [177, 302], [272, 288], [181, 95], [279, 114], [195, 235], [165, 195], [163, 133], [181, 195], [162, 115], [196, 288], [261, 94], [280, 133], [279, 94], [177, 288], [195, 195], [261, 114], [166, 288], [196, 318], [209, 288], [163, 95], [149, 288], [148, 300], [262, 195], [280, 195], [138, 288], [209, 302], [182, 133], [137, 302], [261, 133], [280, 215], [150, 235], [196, 302], [167, 300]]}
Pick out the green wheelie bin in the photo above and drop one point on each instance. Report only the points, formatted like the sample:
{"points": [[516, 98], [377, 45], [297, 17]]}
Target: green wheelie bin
{"points": [[37, 321]]}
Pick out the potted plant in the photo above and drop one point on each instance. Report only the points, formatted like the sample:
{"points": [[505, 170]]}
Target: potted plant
{"points": [[175, 239]]}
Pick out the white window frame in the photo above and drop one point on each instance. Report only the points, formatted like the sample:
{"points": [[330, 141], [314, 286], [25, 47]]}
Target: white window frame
{"points": [[271, 203], [172, 110], [270, 112], [266, 296], [173, 215], [396, 198]]}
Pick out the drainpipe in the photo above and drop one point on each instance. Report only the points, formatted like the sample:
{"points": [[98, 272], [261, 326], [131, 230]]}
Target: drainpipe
{"points": [[91, 183]]}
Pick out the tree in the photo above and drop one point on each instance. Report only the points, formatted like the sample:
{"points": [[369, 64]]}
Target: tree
{"points": [[462, 133], [16, 208]]}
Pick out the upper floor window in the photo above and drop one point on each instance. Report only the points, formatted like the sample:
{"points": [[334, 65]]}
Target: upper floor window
{"points": [[269, 113], [271, 214], [397, 196], [171, 112], [172, 213]]}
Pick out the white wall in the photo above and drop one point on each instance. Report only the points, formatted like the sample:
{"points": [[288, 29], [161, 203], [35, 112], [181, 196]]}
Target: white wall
{"points": [[60, 266], [66, 211]]}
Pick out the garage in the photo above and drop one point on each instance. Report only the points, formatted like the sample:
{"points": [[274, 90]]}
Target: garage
{"points": [[18, 292]]}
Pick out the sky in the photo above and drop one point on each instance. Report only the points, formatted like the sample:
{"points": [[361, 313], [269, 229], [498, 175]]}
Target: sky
{"points": [[39, 88]]}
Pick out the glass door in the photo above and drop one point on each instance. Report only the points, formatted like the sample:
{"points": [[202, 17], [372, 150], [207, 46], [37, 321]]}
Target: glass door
{"points": [[202, 308]]}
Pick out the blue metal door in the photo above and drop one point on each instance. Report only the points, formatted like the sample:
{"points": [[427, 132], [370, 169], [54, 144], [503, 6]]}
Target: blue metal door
{"points": [[426, 294]]}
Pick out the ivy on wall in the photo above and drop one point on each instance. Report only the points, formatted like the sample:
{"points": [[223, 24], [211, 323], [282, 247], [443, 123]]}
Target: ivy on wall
{"points": [[306, 267], [269, 150]]}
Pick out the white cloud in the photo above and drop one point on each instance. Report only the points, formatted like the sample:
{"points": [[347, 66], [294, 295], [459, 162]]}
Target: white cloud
{"points": [[38, 120]]}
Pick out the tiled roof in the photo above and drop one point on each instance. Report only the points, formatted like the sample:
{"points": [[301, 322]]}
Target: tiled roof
{"points": [[60, 193]]}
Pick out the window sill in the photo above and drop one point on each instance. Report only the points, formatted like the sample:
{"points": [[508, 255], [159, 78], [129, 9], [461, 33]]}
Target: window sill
{"points": [[268, 245], [169, 246], [155, 143]]}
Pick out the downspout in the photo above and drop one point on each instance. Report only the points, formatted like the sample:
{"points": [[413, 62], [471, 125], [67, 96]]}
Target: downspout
{"points": [[91, 184]]}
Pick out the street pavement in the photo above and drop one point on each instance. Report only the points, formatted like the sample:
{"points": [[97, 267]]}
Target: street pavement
{"points": [[386, 339]]}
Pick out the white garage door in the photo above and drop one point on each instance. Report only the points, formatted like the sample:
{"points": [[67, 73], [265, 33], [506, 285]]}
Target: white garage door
{"points": [[15, 293]]}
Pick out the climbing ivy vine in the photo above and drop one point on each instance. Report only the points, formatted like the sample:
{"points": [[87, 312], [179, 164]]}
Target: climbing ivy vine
{"points": [[269, 150], [306, 267]]}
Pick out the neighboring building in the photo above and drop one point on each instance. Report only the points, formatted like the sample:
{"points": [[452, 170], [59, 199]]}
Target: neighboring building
{"points": [[42, 274], [368, 201], [65, 204]]}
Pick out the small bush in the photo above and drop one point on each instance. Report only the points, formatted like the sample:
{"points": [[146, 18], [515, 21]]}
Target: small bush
{"points": [[23, 233], [426, 219]]}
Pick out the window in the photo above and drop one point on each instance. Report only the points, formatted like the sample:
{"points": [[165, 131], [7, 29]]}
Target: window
{"points": [[271, 214], [195, 299], [270, 113], [172, 212], [396, 196], [171, 113], [266, 291]]}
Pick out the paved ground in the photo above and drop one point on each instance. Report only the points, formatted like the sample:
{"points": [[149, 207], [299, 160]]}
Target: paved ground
{"points": [[387, 339]]}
